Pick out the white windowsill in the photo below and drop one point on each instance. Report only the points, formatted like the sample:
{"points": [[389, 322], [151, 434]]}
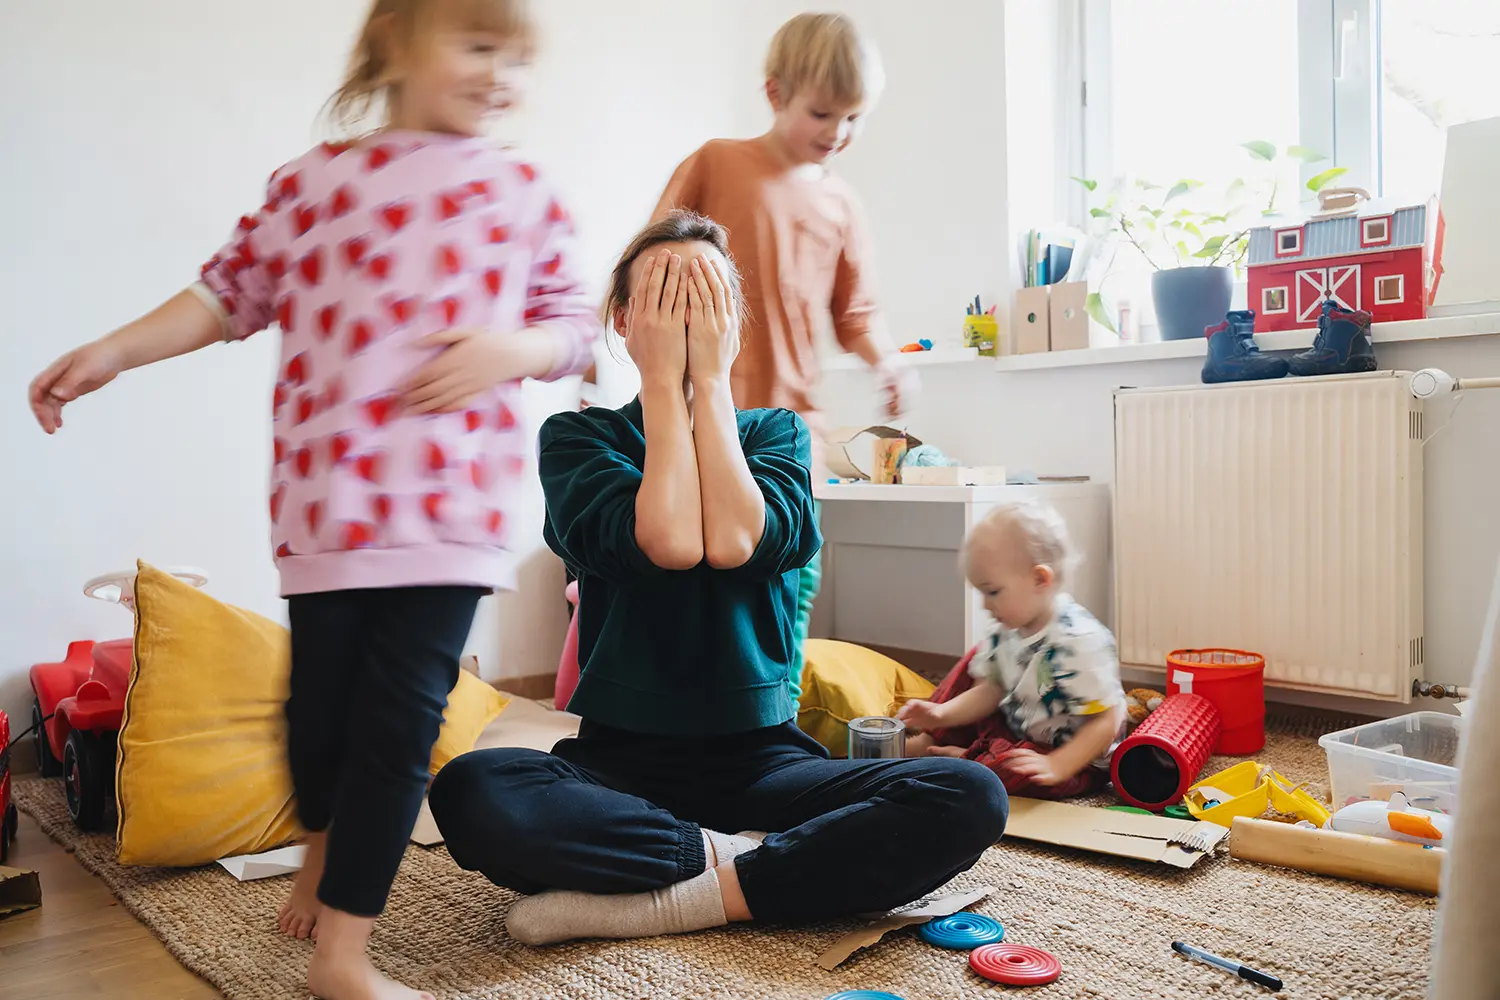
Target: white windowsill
{"points": [[1434, 328], [936, 356]]}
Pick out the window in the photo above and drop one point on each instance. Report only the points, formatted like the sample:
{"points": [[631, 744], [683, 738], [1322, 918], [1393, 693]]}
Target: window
{"points": [[1375, 232], [1390, 290], [1273, 300], [1288, 242]]}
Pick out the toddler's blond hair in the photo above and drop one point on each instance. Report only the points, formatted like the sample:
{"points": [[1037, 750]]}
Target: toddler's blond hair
{"points": [[826, 52], [1037, 528]]}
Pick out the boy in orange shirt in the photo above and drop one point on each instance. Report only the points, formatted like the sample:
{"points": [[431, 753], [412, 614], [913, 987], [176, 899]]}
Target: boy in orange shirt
{"points": [[798, 233]]}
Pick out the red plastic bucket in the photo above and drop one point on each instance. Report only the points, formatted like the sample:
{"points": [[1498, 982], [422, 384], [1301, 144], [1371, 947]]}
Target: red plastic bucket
{"points": [[1234, 680], [1155, 765]]}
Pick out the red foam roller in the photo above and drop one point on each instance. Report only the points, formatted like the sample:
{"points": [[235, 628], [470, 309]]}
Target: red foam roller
{"points": [[1154, 766]]}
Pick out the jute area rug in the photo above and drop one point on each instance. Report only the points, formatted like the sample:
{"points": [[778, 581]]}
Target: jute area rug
{"points": [[1110, 923]]}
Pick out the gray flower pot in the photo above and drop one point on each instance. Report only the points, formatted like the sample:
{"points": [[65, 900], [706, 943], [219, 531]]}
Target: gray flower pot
{"points": [[1188, 299]]}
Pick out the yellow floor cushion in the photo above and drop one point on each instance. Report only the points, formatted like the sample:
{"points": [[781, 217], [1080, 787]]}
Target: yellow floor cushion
{"points": [[842, 681], [202, 770]]}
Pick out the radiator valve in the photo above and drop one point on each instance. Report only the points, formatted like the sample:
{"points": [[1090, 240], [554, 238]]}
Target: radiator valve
{"points": [[1426, 689]]}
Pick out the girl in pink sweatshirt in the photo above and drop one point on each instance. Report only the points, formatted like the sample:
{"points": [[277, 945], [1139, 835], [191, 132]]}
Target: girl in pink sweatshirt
{"points": [[417, 275]]}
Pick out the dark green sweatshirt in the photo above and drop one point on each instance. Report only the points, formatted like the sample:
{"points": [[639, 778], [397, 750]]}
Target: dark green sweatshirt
{"points": [[683, 653]]}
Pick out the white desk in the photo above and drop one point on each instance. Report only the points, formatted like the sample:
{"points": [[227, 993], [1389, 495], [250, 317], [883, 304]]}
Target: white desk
{"points": [[890, 560]]}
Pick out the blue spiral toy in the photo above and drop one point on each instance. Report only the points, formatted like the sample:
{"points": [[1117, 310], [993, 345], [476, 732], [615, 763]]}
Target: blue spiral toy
{"points": [[962, 931], [864, 995]]}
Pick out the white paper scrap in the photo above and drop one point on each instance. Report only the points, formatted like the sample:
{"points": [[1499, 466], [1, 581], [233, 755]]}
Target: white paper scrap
{"points": [[249, 867]]}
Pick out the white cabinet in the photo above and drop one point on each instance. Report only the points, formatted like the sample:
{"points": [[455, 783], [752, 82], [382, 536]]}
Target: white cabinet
{"points": [[890, 560]]}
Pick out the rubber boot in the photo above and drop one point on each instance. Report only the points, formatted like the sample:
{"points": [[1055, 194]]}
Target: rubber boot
{"points": [[1232, 352], [1342, 346]]}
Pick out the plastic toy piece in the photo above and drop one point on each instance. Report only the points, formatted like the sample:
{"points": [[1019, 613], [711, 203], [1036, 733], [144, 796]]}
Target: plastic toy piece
{"points": [[1156, 764], [1130, 809], [962, 931], [1015, 964], [1395, 820], [864, 995], [1247, 789], [1178, 811]]}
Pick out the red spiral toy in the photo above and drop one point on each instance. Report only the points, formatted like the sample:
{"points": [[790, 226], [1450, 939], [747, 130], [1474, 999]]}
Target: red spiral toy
{"points": [[1154, 766]]}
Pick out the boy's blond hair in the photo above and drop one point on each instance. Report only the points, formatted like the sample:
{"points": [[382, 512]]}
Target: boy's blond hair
{"points": [[1037, 528], [826, 52]]}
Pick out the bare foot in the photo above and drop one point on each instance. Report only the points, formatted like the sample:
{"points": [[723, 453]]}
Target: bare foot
{"points": [[916, 746], [946, 751], [299, 914], [354, 978]]}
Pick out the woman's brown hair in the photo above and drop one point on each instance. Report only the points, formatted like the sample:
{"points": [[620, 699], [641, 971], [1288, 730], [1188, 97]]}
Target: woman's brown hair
{"points": [[368, 81], [677, 226]]}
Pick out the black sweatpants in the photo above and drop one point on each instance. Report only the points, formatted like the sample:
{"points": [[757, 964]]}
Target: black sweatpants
{"points": [[371, 673], [613, 812]]}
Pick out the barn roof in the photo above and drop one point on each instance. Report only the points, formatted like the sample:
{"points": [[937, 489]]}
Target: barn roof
{"points": [[1340, 235]]}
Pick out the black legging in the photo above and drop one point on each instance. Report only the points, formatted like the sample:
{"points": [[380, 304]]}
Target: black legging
{"points": [[613, 812]]}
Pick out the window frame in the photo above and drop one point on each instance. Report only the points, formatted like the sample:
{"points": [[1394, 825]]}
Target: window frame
{"points": [[1365, 239], [1265, 294], [1293, 251], [1400, 280]]}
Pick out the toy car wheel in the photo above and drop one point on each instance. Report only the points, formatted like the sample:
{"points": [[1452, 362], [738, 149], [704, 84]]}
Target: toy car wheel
{"points": [[46, 763], [8, 830], [88, 770]]}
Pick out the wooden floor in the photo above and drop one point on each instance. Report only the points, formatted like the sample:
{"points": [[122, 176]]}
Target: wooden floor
{"points": [[81, 943]]}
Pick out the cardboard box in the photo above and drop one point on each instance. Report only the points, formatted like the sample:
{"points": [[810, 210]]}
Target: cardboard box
{"points": [[20, 890], [1109, 831], [1031, 321], [1068, 317], [953, 475], [851, 451]]}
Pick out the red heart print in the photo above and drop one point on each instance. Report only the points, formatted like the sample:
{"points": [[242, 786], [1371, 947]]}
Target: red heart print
{"points": [[303, 219], [450, 308], [302, 461], [432, 504], [357, 535], [248, 224], [333, 393], [479, 189], [342, 203], [296, 370], [284, 312], [553, 266], [515, 465], [505, 419], [290, 187], [379, 157], [402, 310], [371, 467], [328, 316], [313, 515], [492, 281], [361, 334], [277, 496], [246, 253], [448, 207], [396, 215], [380, 409], [527, 171], [556, 213], [311, 267], [278, 399], [450, 261], [381, 503], [380, 266], [306, 406], [283, 550], [354, 250], [437, 459], [333, 149], [474, 420], [277, 266], [278, 450], [494, 521], [499, 234], [479, 473], [338, 447]]}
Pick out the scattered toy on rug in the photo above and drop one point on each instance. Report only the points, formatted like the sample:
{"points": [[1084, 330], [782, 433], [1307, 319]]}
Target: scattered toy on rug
{"points": [[1039, 701], [1141, 702], [1156, 765], [1243, 971]]}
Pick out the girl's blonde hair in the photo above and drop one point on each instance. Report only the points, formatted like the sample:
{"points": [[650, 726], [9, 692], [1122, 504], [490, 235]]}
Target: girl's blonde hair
{"points": [[1040, 531], [826, 52], [369, 81], [677, 226]]}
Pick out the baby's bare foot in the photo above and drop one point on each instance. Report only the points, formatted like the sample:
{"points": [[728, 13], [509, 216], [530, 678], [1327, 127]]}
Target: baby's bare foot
{"points": [[354, 978], [299, 914], [916, 746], [945, 751]]}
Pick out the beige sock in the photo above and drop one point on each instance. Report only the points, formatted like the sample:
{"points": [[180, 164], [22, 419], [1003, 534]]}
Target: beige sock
{"points": [[562, 915], [721, 847]]}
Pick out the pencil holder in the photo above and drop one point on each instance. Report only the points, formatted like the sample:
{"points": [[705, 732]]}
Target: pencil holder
{"points": [[982, 332]]}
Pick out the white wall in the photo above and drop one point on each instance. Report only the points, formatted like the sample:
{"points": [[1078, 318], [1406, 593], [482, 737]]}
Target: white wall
{"points": [[135, 136]]}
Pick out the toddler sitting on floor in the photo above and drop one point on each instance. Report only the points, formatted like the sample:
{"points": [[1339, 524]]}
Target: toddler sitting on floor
{"points": [[1039, 702]]}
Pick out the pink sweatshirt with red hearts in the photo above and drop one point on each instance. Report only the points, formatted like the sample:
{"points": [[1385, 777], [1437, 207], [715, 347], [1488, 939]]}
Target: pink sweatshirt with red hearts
{"points": [[360, 251]]}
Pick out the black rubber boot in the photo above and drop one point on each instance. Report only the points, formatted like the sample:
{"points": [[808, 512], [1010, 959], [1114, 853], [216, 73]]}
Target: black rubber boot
{"points": [[1233, 355], [1343, 345]]}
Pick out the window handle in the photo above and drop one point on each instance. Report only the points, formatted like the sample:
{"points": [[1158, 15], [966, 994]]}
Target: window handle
{"points": [[1347, 36]]}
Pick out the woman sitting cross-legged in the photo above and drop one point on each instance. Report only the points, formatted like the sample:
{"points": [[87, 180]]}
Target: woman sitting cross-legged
{"points": [[686, 521]]}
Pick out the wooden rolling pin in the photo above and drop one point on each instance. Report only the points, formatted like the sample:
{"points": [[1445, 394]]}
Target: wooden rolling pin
{"points": [[1345, 855]]}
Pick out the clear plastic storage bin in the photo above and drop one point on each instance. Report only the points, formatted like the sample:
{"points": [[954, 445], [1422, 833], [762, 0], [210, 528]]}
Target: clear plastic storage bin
{"points": [[1416, 754]]}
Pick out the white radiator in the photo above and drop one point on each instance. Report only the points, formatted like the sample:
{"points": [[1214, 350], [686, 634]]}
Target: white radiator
{"points": [[1280, 517]]}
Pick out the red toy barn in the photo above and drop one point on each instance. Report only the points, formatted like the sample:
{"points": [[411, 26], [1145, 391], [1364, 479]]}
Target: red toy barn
{"points": [[1382, 260]]}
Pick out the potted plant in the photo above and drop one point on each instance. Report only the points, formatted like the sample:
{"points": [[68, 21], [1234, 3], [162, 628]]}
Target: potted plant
{"points": [[1194, 243]]}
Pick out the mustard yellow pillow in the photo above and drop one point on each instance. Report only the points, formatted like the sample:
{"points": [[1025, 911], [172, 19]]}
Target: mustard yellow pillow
{"points": [[842, 681], [201, 770]]}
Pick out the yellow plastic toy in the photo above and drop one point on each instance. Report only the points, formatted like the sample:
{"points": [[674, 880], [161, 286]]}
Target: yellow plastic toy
{"points": [[1252, 790]]}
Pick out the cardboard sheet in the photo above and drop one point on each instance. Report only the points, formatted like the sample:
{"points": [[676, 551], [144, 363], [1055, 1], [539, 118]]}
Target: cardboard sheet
{"points": [[20, 890], [524, 723], [1107, 831], [917, 913], [249, 867]]}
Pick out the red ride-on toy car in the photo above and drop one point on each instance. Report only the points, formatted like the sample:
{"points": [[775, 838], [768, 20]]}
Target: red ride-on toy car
{"points": [[79, 704], [9, 819]]}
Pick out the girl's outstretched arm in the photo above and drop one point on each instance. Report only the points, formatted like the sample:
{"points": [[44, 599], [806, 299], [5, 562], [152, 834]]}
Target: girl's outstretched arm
{"points": [[182, 324]]}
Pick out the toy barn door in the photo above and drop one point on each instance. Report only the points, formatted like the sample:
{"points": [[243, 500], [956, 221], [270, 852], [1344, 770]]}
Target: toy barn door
{"points": [[1312, 289], [1343, 285]]}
